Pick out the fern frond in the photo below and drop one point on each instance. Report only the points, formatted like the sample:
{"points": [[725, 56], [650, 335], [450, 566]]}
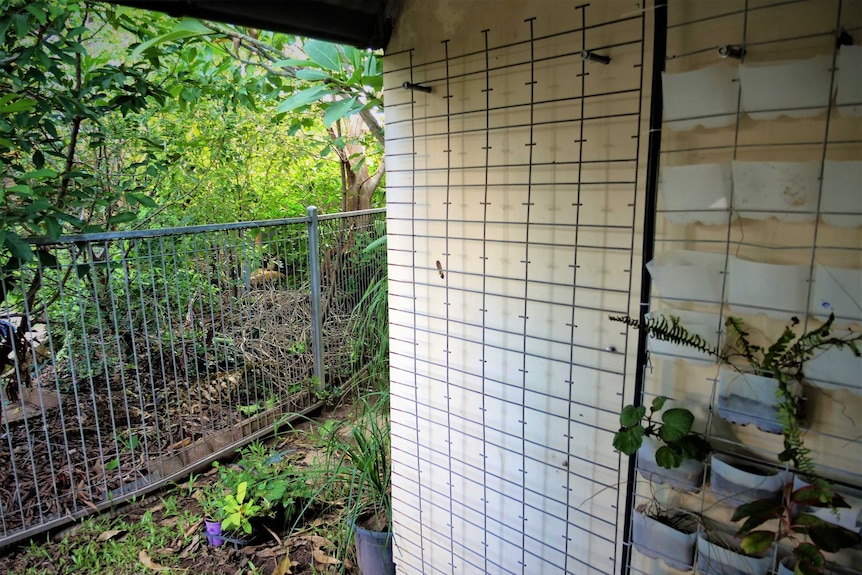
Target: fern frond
{"points": [[750, 352], [668, 329]]}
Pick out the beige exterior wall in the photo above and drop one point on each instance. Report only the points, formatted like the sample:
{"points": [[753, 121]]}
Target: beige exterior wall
{"points": [[507, 376]]}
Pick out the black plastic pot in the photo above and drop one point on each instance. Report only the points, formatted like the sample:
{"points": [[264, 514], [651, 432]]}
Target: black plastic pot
{"points": [[374, 552]]}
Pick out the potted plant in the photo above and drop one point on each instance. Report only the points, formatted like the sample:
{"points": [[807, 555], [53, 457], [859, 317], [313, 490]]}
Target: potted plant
{"points": [[668, 451], [213, 505], [239, 508], [810, 535], [666, 535], [361, 457]]}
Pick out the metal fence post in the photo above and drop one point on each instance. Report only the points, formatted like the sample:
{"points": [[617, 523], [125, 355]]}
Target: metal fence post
{"points": [[316, 319]]}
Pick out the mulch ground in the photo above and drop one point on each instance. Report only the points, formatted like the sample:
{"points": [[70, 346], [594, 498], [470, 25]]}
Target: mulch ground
{"points": [[306, 547]]}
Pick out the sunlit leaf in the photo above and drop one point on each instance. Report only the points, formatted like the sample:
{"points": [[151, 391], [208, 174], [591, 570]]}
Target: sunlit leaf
{"points": [[302, 98], [185, 28], [312, 74], [338, 110], [324, 54]]}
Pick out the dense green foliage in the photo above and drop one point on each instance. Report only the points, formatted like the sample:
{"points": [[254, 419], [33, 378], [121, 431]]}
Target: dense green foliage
{"points": [[113, 118]]}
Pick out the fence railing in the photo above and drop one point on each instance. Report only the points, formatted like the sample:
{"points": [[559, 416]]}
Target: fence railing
{"points": [[137, 357]]}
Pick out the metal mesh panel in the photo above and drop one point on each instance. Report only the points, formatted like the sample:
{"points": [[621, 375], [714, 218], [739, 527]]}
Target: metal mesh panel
{"points": [[513, 175], [151, 353]]}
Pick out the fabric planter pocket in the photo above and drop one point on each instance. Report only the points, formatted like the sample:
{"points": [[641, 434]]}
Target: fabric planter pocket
{"points": [[672, 541], [696, 193], [779, 291], [708, 97], [688, 275], [718, 554], [745, 398], [798, 89], [687, 477], [735, 481]]}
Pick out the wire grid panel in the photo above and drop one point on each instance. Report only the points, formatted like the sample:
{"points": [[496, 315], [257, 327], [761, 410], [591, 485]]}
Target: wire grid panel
{"points": [[749, 222], [352, 260], [148, 354], [512, 189]]}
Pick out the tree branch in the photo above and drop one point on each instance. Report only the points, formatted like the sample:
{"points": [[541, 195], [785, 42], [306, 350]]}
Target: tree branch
{"points": [[374, 181], [373, 125]]}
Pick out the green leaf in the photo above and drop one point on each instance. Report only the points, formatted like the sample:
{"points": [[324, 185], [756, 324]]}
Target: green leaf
{"points": [[312, 74], [302, 98], [20, 189], [112, 464], [18, 247], [658, 403], [757, 542], [44, 173], [758, 507], [692, 447], [185, 28], [631, 415], [323, 53], [668, 457], [629, 440], [22, 105], [46, 258], [52, 227], [293, 62], [826, 536], [142, 199], [677, 424], [809, 560], [813, 496], [240, 491], [338, 110], [122, 218]]}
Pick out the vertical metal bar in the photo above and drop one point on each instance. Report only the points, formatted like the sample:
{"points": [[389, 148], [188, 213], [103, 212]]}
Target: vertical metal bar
{"points": [[316, 319], [531, 146], [650, 204]]}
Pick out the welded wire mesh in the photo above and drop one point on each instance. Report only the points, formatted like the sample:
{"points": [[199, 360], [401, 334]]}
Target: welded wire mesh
{"points": [[151, 353]]}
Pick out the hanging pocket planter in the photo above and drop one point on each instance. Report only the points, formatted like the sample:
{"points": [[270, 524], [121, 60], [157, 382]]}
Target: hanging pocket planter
{"points": [[849, 94], [687, 477], [841, 193], [847, 517], [688, 275], [696, 193], [707, 97], [798, 89], [669, 538], [838, 291], [745, 398], [735, 481], [718, 554], [836, 368], [778, 291], [786, 191]]}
